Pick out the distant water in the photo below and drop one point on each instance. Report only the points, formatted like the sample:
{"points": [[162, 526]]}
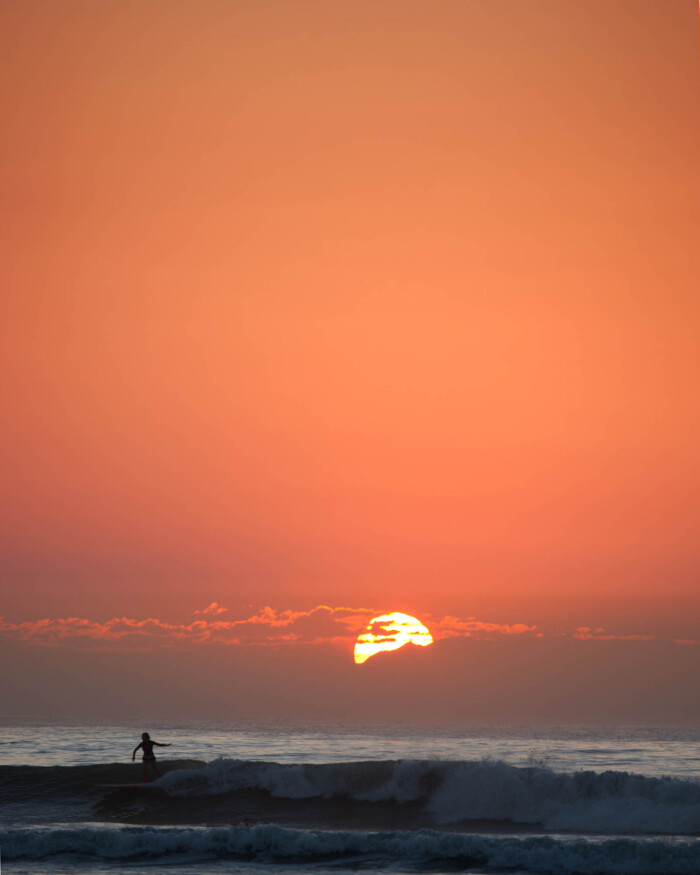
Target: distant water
{"points": [[274, 799], [647, 751]]}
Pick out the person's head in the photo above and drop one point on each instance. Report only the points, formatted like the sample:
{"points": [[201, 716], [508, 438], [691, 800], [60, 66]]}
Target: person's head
{"points": [[145, 735]]}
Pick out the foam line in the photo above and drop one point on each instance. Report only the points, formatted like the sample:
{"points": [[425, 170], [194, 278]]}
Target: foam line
{"points": [[424, 850]]}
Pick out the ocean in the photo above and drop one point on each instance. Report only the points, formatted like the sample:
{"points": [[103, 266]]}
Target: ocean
{"points": [[274, 799]]}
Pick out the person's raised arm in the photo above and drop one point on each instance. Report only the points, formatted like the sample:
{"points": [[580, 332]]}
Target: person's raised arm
{"points": [[163, 745]]}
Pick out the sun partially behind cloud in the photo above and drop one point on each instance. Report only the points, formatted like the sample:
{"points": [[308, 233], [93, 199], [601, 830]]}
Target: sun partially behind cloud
{"points": [[389, 632]]}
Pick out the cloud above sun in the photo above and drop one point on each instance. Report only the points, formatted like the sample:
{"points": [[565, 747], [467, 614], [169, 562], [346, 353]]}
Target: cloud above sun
{"points": [[213, 608]]}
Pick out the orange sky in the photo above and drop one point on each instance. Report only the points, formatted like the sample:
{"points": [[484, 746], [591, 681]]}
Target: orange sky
{"points": [[380, 303]]}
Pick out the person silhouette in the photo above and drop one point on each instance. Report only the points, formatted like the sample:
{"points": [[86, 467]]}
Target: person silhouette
{"points": [[147, 745]]}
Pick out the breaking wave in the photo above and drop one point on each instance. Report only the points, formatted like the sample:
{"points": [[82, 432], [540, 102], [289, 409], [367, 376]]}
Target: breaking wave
{"points": [[450, 793], [419, 851], [484, 796]]}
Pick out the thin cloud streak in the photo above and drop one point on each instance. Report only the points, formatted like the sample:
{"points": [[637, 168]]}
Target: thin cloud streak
{"points": [[454, 627], [586, 633]]}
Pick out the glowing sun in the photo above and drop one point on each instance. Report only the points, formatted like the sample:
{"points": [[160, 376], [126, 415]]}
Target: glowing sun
{"points": [[389, 632]]}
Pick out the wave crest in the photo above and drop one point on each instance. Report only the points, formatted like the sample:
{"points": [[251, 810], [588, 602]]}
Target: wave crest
{"points": [[457, 792]]}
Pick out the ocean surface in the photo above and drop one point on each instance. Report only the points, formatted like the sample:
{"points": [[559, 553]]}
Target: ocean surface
{"points": [[275, 799]]}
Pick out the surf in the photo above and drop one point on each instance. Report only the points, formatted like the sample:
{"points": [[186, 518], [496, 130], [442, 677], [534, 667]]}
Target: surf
{"points": [[386, 794], [454, 793], [422, 851]]}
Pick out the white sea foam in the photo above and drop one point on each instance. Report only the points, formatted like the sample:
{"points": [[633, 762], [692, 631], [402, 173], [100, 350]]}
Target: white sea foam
{"points": [[451, 793], [423, 850]]}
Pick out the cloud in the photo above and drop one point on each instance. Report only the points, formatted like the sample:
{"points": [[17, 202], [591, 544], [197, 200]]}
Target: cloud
{"points": [[322, 623], [266, 627], [214, 608]]}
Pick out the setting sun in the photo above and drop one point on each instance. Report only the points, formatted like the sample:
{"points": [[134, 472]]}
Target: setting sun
{"points": [[389, 632]]}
